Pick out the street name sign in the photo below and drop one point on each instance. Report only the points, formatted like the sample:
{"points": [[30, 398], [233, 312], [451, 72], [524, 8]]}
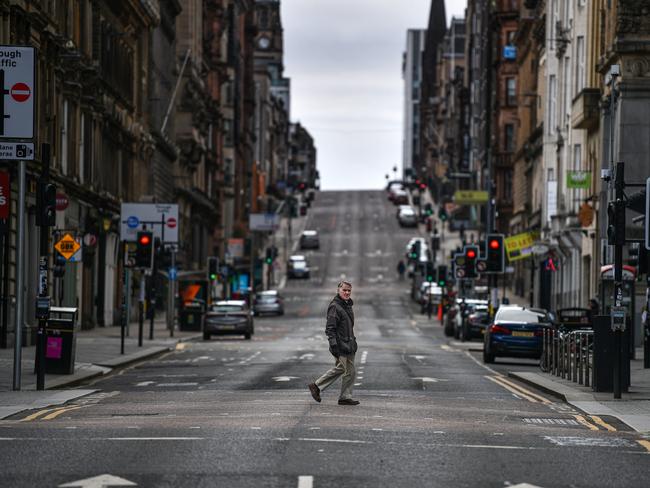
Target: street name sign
{"points": [[159, 218], [16, 151], [17, 92], [263, 221]]}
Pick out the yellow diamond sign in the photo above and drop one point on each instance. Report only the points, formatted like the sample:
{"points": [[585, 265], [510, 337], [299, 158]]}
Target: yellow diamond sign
{"points": [[67, 246]]}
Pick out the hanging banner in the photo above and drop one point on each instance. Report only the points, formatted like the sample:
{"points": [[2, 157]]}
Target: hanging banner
{"points": [[470, 197], [520, 246], [578, 180]]}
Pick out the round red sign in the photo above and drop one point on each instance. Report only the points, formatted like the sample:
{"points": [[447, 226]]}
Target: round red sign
{"points": [[62, 201], [171, 222], [20, 92]]}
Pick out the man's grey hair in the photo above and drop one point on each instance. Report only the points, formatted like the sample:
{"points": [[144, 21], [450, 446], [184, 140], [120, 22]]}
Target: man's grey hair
{"points": [[344, 282]]}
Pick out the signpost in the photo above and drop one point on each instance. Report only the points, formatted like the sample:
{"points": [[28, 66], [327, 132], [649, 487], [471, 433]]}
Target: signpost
{"points": [[17, 107]]}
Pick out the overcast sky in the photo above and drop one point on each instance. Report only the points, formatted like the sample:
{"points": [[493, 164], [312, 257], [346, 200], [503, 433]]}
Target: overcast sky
{"points": [[344, 58]]}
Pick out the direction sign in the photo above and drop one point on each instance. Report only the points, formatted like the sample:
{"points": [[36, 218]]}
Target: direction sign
{"points": [[67, 246], [159, 218], [17, 92]]}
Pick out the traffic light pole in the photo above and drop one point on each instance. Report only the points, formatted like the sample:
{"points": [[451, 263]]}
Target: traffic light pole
{"points": [[20, 272], [43, 305], [141, 308]]}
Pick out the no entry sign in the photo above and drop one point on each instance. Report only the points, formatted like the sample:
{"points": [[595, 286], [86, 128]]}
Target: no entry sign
{"points": [[17, 92]]}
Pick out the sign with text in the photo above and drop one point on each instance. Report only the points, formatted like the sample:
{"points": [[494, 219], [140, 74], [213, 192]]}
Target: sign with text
{"points": [[469, 197], [16, 151], [5, 186], [159, 218], [579, 180], [520, 246], [263, 221], [67, 246], [17, 92], [235, 248]]}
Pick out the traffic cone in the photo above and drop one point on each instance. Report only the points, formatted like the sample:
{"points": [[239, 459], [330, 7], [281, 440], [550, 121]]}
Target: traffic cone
{"points": [[440, 313]]}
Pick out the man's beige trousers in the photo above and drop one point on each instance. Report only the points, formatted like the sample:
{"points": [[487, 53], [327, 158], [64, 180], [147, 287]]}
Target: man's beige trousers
{"points": [[343, 367]]}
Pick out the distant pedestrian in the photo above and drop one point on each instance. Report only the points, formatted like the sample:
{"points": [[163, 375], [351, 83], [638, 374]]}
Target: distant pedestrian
{"points": [[401, 269], [342, 345]]}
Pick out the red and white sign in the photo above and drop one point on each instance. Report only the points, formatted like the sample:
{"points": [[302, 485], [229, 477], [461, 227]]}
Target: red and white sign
{"points": [[20, 92], [4, 195], [90, 240], [62, 201], [171, 222]]}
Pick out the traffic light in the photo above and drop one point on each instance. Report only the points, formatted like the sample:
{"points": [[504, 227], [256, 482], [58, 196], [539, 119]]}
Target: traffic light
{"points": [[414, 252], [616, 223], [213, 267], [430, 272], [442, 275], [59, 265], [442, 214], [45, 205], [495, 254], [269, 255], [471, 256], [144, 250]]}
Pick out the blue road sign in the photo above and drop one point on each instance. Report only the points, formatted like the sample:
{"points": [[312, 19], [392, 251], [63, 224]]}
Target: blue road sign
{"points": [[173, 274], [132, 222]]}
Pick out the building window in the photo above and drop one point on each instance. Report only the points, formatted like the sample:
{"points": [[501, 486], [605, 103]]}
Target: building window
{"points": [[577, 157], [507, 185], [511, 91], [580, 64], [552, 104], [509, 131]]}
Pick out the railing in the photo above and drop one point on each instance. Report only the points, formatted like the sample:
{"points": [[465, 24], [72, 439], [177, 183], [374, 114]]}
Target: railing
{"points": [[569, 355]]}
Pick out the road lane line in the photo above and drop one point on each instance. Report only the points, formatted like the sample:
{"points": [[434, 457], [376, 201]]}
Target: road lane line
{"points": [[602, 423], [511, 390], [585, 422], [645, 444], [305, 481], [148, 438], [54, 415], [524, 390]]}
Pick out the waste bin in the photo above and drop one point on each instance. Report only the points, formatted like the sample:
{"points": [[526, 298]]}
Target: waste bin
{"points": [[190, 315], [604, 355], [61, 340]]}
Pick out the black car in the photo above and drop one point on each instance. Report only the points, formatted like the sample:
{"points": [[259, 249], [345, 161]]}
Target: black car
{"points": [[228, 317], [309, 240]]}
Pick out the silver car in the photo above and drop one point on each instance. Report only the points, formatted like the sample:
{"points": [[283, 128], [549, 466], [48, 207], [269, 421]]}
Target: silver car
{"points": [[228, 317], [269, 301]]}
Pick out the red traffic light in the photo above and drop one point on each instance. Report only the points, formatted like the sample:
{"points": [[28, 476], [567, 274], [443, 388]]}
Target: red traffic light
{"points": [[471, 254], [494, 244], [145, 239]]}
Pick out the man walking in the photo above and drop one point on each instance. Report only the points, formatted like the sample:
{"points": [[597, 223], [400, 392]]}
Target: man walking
{"points": [[342, 344]]}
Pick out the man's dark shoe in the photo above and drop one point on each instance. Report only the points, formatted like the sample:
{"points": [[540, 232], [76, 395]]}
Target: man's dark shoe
{"points": [[349, 401], [315, 391]]}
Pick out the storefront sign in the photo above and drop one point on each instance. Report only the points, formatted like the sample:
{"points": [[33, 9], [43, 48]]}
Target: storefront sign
{"points": [[520, 246], [468, 197], [236, 248], [579, 180]]}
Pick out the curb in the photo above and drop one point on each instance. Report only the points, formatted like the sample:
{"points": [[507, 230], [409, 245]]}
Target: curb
{"points": [[527, 379]]}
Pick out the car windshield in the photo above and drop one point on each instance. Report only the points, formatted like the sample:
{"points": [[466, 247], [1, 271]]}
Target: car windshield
{"points": [[407, 211], [227, 308], [521, 315], [267, 298]]}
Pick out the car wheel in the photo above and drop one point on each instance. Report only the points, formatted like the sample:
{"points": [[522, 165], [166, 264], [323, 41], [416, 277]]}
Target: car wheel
{"points": [[247, 336], [449, 331], [206, 336], [487, 357]]}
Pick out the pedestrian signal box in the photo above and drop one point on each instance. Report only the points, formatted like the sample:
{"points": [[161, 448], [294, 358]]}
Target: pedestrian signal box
{"points": [[495, 254], [471, 257]]}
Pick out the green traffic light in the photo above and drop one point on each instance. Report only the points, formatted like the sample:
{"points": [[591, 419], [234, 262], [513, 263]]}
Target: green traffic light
{"points": [[441, 283], [213, 276]]}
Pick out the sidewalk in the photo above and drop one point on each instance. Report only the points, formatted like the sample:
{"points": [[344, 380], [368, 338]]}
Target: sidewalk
{"points": [[97, 353], [633, 408]]}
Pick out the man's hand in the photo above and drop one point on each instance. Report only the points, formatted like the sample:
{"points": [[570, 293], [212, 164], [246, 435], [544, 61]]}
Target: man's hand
{"points": [[334, 349]]}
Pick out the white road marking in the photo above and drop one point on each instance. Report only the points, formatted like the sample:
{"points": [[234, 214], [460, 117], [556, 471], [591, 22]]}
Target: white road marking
{"points": [[147, 438], [145, 383], [99, 482], [284, 378], [306, 356], [481, 364], [177, 384], [305, 481], [357, 384], [426, 379]]}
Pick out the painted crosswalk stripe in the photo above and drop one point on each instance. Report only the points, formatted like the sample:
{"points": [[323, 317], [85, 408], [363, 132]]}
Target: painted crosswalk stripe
{"points": [[305, 481]]}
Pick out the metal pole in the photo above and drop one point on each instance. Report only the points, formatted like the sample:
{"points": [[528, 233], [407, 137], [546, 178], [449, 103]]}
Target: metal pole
{"points": [[619, 187], [20, 270], [124, 321], [141, 309], [172, 298]]}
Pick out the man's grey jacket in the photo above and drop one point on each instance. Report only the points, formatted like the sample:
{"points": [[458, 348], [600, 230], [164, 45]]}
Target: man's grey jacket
{"points": [[340, 327]]}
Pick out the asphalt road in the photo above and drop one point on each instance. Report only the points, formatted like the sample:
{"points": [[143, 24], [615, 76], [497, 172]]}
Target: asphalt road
{"points": [[237, 413]]}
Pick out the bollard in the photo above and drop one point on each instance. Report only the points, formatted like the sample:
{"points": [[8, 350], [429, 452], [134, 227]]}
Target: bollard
{"points": [[580, 358], [587, 378]]}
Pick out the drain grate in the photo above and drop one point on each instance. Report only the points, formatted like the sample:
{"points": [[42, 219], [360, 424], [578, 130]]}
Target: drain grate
{"points": [[539, 421]]}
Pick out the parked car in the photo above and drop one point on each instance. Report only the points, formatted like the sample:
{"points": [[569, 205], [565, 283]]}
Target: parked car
{"points": [[309, 240], [452, 318], [393, 187], [407, 217], [467, 307], [433, 293], [399, 197], [515, 332], [297, 267], [475, 323], [228, 317], [268, 301]]}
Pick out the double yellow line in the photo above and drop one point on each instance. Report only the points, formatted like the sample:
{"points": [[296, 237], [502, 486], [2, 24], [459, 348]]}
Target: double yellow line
{"points": [[596, 422], [50, 413]]}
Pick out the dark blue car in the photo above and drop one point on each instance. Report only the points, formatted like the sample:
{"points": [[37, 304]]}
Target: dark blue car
{"points": [[515, 332]]}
